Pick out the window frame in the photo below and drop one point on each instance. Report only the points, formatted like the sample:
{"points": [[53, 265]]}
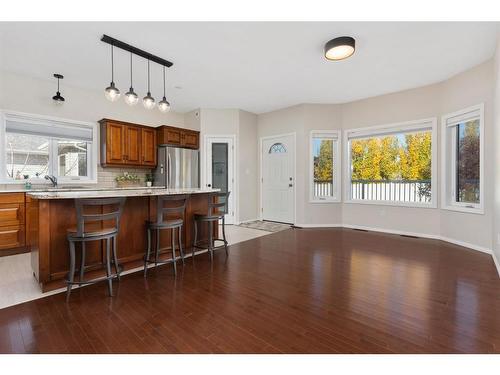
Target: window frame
{"points": [[449, 163], [379, 130], [92, 156], [335, 135]]}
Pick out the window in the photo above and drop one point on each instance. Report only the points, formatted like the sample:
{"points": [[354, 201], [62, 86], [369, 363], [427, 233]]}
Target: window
{"points": [[325, 166], [392, 164], [277, 148], [463, 160], [37, 146]]}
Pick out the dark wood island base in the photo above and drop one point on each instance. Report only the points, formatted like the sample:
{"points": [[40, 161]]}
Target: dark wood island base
{"points": [[49, 219]]}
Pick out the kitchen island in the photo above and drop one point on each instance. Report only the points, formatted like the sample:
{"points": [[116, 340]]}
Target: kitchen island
{"points": [[51, 213]]}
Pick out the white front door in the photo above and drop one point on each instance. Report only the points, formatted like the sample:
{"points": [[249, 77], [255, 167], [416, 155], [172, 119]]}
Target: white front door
{"points": [[278, 178], [219, 169]]}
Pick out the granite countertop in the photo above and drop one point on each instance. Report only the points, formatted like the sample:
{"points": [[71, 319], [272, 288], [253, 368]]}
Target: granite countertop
{"points": [[65, 188], [108, 193]]}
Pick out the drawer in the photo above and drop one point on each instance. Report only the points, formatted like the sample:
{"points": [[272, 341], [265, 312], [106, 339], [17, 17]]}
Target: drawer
{"points": [[11, 214], [12, 237], [11, 198]]}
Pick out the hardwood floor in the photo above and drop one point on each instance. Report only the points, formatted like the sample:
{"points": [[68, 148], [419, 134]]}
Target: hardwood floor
{"points": [[296, 291]]}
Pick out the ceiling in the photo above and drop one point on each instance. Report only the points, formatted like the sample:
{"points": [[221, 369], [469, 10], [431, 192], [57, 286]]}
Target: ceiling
{"points": [[257, 66]]}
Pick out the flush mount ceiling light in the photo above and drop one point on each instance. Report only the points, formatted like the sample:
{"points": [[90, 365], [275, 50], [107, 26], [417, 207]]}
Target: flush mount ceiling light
{"points": [[164, 105], [340, 48], [148, 101], [57, 97], [111, 92], [131, 97]]}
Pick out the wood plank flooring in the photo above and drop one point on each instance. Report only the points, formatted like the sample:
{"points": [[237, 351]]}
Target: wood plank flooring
{"points": [[296, 291]]}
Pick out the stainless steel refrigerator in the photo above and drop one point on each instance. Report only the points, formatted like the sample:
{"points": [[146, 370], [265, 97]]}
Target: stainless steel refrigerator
{"points": [[177, 168]]}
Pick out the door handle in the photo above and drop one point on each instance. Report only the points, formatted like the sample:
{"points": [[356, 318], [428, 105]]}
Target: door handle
{"points": [[290, 185]]}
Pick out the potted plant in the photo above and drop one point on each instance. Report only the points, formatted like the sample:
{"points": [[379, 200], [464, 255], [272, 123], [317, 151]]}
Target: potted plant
{"points": [[149, 179], [127, 180]]}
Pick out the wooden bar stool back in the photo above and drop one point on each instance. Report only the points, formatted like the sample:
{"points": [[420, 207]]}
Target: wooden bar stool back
{"points": [[217, 209], [110, 211], [176, 207]]}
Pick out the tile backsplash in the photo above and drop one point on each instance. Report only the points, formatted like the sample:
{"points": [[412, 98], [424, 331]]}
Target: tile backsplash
{"points": [[106, 176]]}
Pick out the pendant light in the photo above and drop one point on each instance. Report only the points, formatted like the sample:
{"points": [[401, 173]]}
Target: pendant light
{"points": [[57, 97], [164, 105], [340, 48], [131, 97], [111, 92], [148, 101]]}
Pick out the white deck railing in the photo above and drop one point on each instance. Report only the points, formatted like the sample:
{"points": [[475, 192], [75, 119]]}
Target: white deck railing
{"points": [[415, 191]]}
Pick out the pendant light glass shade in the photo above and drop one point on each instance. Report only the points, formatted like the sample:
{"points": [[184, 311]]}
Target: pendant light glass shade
{"points": [[148, 101], [112, 93], [131, 97], [164, 105]]}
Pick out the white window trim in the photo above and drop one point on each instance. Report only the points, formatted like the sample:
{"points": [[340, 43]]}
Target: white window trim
{"points": [[92, 157], [337, 185], [447, 185], [396, 127]]}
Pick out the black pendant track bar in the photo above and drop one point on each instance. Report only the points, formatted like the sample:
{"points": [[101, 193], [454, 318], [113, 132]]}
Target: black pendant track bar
{"points": [[136, 51]]}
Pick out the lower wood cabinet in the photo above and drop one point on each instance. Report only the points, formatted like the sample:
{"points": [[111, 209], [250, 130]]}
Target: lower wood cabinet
{"points": [[12, 221], [12, 237]]}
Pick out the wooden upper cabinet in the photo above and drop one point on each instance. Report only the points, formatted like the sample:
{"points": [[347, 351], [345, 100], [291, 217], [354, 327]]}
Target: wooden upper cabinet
{"points": [[170, 135], [126, 144], [148, 142], [191, 139], [178, 137], [115, 143], [133, 145]]}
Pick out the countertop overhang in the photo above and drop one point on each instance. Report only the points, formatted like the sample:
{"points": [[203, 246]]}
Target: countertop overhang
{"points": [[140, 192]]}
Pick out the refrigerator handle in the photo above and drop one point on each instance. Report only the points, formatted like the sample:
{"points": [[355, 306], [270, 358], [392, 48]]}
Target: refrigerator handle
{"points": [[168, 171]]}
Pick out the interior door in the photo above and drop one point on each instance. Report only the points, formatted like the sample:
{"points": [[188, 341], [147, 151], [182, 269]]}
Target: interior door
{"points": [[219, 161], [278, 178]]}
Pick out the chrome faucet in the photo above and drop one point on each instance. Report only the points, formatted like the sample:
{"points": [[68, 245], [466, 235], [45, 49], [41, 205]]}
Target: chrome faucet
{"points": [[52, 179]]}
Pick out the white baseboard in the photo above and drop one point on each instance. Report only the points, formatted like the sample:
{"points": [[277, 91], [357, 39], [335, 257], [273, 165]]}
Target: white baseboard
{"points": [[466, 244], [399, 232], [391, 231], [317, 225], [497, 263]]}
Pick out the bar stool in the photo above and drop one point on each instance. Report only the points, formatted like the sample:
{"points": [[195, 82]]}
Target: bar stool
{"points": [[216, 212], [177, 205], [81, 235]]}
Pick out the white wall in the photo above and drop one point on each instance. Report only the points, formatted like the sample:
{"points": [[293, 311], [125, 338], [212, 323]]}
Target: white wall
{"points": [[466, 89], [31, 95], [496, 164], [192, 120], [473, 87], [247, 166]]}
